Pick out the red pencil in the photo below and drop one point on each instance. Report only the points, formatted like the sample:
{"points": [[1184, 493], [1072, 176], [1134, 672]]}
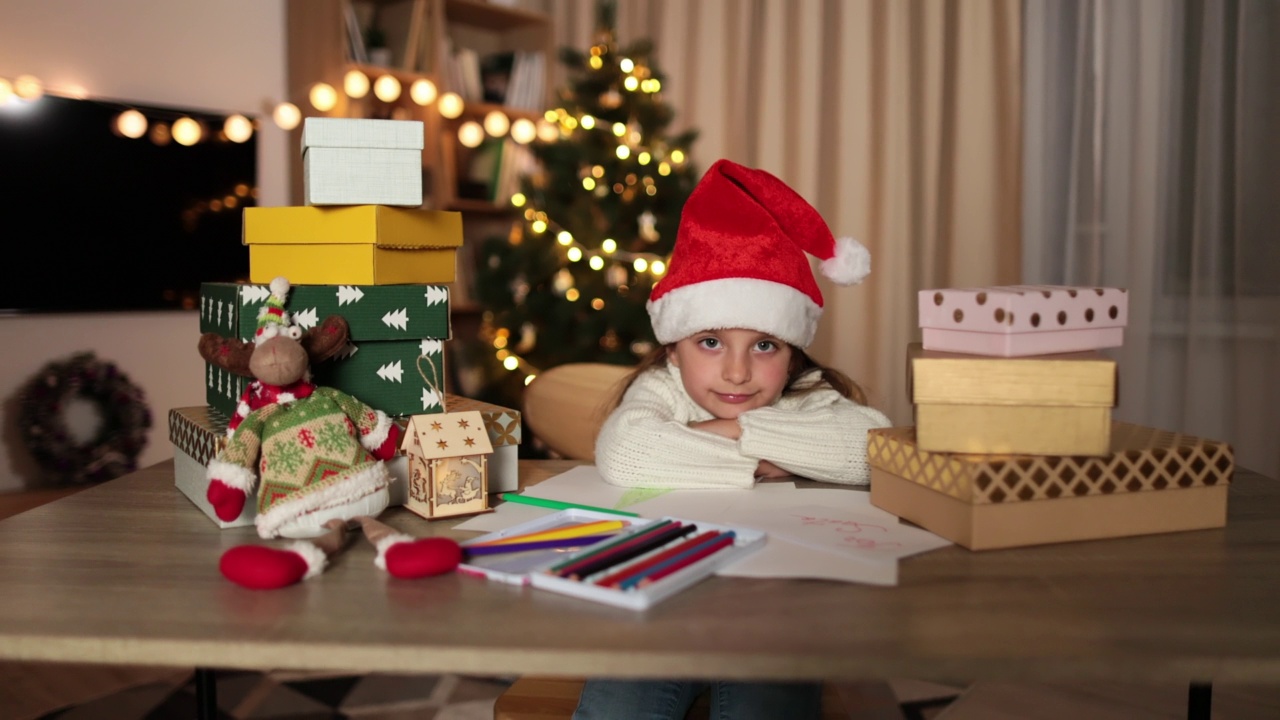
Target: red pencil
{"points": [[670, 552], [679, 564], [623, 553]]}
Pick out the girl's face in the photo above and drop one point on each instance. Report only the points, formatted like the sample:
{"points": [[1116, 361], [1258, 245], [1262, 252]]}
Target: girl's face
{"points": [[728, 372]]}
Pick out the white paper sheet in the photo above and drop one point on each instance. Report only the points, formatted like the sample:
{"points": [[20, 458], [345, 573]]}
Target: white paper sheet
{"points": [[843, 530], [781, 558]]}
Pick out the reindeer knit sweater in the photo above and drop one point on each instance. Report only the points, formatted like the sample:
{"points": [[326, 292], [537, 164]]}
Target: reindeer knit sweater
{"points": [[647, 441]]}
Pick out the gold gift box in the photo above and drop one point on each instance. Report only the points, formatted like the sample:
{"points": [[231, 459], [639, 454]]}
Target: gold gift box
{"points": [[1151, 481]]}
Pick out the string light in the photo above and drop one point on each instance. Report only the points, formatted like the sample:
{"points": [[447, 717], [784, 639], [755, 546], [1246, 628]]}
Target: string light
{"points": [[470, 134], [355, 84], [496, 123], [131, 124], [237, 128], [523, 131], [287, 116], [450, 105], [386, 88], [186, 131], [422, 91], [323, 97], [27, 87], [6, 91]]}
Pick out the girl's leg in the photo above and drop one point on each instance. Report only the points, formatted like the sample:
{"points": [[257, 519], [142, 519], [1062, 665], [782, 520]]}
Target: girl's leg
{"points": [[766, 701], [636, 699]]}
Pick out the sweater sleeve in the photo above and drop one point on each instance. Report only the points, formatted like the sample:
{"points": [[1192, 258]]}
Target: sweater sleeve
{"points": [[646, 442], [820, 435]]}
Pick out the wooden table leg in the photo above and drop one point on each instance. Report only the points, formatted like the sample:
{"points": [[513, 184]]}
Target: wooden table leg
{"points": [[1199, 700], [206, 694]]}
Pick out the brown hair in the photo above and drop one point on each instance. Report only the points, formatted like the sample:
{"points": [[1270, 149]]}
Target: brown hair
{"points": [[801, 363]]}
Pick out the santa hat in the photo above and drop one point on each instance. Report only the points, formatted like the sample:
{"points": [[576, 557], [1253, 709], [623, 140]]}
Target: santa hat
{"points": [[272, 318], [739, 260]]}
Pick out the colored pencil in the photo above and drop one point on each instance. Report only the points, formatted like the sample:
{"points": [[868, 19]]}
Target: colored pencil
{"points": [[589, 528], [672, 551], [475, 550], [620, 541], [680, 562], [560, 504], [624, 553]]}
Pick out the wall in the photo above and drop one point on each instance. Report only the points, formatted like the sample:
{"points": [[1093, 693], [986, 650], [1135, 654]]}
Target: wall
{"points": [[227, 56]]}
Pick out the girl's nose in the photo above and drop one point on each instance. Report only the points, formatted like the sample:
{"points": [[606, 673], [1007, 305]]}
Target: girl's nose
{"points": [[737, 367]]}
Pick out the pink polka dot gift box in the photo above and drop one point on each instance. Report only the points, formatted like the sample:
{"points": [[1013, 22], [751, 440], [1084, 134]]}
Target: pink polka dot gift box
{"points": [[1021, 320]]}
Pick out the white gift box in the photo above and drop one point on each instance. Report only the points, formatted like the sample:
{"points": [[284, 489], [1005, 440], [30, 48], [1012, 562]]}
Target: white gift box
{"points": [[357, 161]]}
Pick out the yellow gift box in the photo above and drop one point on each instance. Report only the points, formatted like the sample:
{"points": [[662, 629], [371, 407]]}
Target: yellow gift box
{"points": [[352, 245]]}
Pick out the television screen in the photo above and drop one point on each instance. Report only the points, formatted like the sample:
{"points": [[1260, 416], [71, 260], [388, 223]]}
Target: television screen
{"points": [[95, 220]]}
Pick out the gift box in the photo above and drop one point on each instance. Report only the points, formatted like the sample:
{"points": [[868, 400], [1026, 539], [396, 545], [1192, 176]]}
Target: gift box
{"points": [[352, 245], [1151, 481], [1057, 404], [395, 361], [358, 161], [1019, 320], [503, 426]]}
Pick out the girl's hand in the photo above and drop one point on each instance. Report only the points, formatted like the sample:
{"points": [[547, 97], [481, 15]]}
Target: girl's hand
{"points": [[724, 428], [768, 471]]}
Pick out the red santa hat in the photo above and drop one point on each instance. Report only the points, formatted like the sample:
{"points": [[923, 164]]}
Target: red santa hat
{"points": [[739, 260]]}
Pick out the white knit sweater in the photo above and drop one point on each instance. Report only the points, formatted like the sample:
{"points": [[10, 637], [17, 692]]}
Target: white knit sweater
{"points": [[647, 441]]}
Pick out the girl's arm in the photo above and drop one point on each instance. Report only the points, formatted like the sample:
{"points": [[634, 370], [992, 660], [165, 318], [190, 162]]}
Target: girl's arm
{"points": [[820, 435], [646, 442]]}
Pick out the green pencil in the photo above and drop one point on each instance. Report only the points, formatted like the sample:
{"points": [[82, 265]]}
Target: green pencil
{"points": [[560, 504]]}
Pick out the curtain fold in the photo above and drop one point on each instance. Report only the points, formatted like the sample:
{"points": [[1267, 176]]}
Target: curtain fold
{"points": [[899, 121], [1168, 187]]}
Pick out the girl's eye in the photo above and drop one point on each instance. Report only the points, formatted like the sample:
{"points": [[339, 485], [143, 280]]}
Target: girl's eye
{"points": [[709, 343], [766, 346]]}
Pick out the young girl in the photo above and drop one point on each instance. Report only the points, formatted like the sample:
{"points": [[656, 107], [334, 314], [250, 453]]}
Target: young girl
{"points": [[731, 396]]}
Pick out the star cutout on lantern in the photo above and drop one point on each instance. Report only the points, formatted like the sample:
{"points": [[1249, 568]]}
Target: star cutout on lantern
{"points": [[463, 424], [442, 444], [436, 425], [470, 441]]}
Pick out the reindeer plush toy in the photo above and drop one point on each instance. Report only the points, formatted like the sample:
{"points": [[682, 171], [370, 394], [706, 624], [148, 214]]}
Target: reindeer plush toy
{"points": [[313, 454]]}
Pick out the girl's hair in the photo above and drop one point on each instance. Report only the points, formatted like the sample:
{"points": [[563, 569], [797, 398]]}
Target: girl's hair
{"points": [[800, 364]]}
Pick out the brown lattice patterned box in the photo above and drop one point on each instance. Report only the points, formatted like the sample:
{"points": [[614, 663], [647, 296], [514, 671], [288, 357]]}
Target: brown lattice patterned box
{"points": [[1151, 481]]}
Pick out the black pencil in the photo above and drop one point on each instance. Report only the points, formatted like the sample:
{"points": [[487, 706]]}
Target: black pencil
{"points": [[623, 554]]}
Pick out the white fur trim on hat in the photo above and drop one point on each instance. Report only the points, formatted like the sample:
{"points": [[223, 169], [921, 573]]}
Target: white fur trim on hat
{"points": [[761, 305], [851, 263], [361, 480], [236, 476], [378, 435], [313, 556]]}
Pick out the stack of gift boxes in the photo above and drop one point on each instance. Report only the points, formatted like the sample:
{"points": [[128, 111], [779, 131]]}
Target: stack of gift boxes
{"points": [[1013, 442], [363, 248]]}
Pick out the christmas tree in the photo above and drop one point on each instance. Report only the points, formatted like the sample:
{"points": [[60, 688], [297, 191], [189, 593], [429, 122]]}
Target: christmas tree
{"points": [[599, 215]]}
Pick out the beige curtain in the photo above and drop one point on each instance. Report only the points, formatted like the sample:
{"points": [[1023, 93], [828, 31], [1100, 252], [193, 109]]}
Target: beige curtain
{"points": [[898, 120]]}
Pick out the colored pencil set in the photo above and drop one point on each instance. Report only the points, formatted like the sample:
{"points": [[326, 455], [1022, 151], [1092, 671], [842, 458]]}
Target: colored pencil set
{"points": [[628, 562]]}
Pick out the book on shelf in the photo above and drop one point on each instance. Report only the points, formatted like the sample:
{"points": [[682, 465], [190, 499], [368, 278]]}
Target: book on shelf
{"points": [[356, 51]]}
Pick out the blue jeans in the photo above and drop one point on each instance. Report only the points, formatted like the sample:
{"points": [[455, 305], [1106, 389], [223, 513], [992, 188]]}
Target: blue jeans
{"points": [[671, 699]]}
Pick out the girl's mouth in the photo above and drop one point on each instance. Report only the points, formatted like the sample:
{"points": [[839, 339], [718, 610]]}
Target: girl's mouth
{"points": [[734, 398]]}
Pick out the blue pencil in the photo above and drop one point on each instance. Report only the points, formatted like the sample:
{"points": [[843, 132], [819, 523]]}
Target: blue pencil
{"points": [[681, 561], [534, 545]]}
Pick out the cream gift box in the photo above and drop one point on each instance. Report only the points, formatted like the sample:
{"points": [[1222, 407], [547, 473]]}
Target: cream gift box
{"points": [[1056, 404], [358, 161], [352, 245], [1016, 320], [1152, 481]]}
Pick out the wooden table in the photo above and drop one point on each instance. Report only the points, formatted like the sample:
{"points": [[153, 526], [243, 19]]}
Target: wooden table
{"points": [[126, 572]]}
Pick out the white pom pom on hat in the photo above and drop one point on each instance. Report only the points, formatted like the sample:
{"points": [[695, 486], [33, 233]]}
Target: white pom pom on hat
{"points": [[740, 260]]}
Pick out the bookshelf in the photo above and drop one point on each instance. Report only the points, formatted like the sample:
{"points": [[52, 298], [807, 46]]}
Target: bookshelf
{"points": [[426, 38]]}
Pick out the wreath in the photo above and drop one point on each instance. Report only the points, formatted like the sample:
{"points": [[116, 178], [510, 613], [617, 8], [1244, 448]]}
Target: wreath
{"points": [[125, 420]]}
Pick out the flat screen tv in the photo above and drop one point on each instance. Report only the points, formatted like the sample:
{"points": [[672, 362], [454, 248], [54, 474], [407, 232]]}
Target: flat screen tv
{"points": [[97, 221]]}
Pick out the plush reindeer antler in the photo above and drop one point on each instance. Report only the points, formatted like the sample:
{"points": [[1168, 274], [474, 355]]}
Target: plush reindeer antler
{"points": [[233, 354]]}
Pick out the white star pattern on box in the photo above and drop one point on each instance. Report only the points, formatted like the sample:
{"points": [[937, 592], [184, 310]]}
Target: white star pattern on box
{"points": [[436, 295], [429, 347], [391, 371], [429, 398], [349, 294], [306, 318], [255, 294], [398, 319]]}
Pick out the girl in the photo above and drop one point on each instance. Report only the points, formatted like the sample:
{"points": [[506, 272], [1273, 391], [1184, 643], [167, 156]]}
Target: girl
{"points": [[731, 396]]}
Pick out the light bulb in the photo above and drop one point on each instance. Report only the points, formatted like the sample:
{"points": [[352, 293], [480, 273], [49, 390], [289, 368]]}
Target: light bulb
{"points": [[131, 124], [323, 97], [186, 131], [548, 132], [423, 91], [523, 131], [27, 87], [450, 105], [470, 134], [496, 123], [6, 91], [237, 128], [286, 116], [355, 84], [387, 88]]}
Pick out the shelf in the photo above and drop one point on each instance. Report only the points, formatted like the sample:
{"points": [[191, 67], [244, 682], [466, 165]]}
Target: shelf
{"points": [[490, 16]]}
